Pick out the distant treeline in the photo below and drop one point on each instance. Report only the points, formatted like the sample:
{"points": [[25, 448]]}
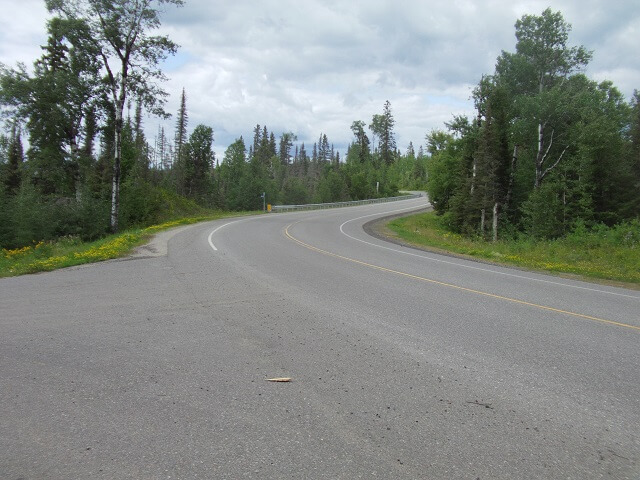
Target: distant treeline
{"points": [[89, 169]]}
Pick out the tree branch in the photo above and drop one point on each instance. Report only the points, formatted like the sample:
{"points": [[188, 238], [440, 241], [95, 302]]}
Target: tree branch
{"points": [[544, 157], [544, 174]]}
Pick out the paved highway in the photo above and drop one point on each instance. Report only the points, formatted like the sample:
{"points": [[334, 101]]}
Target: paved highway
{"points": [[404, 364]]}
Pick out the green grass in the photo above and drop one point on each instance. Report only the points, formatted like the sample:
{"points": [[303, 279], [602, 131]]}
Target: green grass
{"points": [[70, 251], [606, 254]]}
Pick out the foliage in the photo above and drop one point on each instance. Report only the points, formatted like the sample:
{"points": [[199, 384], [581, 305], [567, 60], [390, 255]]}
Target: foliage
{"points": [[117, 34], [548, 147], [194, 167]]}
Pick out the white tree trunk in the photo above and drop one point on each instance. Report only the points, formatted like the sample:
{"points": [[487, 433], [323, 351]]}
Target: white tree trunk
{"points": [[495, 222], [115, 186]]}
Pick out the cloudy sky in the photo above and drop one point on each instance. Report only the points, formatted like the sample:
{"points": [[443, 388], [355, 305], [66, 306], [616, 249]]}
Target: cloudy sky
{"points": [[312, 67]]}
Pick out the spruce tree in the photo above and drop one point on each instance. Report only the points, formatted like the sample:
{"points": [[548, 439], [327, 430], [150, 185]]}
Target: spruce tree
{"points": [[387, 137], [15, 158], [181, 126]]}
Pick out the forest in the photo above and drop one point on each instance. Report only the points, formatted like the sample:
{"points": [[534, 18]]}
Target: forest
{"points": [[88, 169], [548, 150]]}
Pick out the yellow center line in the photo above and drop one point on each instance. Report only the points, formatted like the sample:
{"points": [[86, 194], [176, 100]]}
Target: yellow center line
{"points": [[450, 285]]}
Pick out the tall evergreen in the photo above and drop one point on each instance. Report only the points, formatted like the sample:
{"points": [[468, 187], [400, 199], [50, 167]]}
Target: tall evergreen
{"points": [[387, 136], [15, 158], [286, 142], [181, 126], [196, 165], [257, 137], [635, 136]]}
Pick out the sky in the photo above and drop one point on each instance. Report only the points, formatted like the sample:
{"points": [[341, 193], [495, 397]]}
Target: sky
{"points": [[313, 67]]}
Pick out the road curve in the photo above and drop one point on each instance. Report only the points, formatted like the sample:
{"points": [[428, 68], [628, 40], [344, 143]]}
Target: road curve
{"points": [[404, 364]]}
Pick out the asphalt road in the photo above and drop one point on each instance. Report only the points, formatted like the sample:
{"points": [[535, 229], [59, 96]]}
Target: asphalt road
{"points": [[404, 364]]}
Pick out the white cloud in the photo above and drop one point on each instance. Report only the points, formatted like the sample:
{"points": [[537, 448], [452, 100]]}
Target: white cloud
{"points": [[315, 66], [22, 31]]}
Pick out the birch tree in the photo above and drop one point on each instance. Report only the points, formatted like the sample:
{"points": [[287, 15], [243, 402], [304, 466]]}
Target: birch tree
{"points": [[537, 72], [119, 31]]}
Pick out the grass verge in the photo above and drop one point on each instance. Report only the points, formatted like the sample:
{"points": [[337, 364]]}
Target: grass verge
{"points": [[70, 251], [607, 254]]}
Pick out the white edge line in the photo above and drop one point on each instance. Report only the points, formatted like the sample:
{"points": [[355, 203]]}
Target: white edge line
{"points": [[211, 243], [214, 231], [215, 249], [471, 266]]}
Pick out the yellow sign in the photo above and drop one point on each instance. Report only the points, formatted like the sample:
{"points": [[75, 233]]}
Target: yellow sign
{"points": [[268, 207]]}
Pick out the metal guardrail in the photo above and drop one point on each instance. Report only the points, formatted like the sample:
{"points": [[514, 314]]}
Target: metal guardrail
{"points": [[322, 206]]}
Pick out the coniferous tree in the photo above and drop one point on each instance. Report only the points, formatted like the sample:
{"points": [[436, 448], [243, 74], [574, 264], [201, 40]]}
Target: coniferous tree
{"points": [[286, 142], [303, 160], [197, 165], [257, 139], [15, 159], [635, 136], [494, 160], [386, 135], [181, 126], [52, 102], [410, 150], [324, 150], [232, 171], [272, 146]]}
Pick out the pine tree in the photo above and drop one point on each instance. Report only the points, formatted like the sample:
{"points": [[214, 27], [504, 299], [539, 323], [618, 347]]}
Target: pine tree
{"points": [[387, 137], [286, 142], [181, 126], [411, 151], [265, 150], [303, 159], [324, 150], [635, 136], [196, 165], [15, 158], [253, 150], [272, 146]]}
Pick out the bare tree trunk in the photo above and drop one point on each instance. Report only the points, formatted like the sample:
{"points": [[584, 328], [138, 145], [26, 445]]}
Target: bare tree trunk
{"points": [[539, 156], [115, 187], [512, 175], [482, 221], [473, 177], [543, 154], [495, 222], [75, 155]]}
